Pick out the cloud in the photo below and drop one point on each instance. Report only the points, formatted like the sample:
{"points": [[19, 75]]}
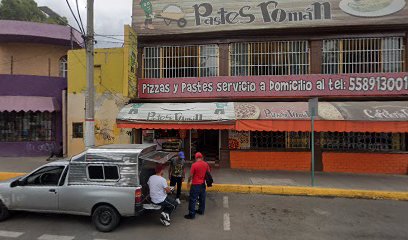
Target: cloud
{"points": [[110, 16]]}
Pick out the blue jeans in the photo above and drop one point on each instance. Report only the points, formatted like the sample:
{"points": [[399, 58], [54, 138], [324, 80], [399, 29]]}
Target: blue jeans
{"points": [[197, 191], [169, 205]]}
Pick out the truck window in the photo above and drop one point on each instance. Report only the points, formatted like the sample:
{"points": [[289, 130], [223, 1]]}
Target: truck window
{"points": [[103, 172], [95, 172], [111, 172]]}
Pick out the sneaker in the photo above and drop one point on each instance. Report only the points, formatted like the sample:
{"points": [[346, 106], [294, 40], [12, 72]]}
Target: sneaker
{"points": [[200, 212], [178, 201], [164, 222], [166, 216], [188, 216]]}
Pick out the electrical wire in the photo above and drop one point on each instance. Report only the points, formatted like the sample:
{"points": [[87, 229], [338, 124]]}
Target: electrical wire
{"points": [[76, 20], [79, 15]]}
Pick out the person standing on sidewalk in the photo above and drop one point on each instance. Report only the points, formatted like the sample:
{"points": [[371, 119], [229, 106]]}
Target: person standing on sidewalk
{"points": [[177, 173], [158, 194], [198, 188]]}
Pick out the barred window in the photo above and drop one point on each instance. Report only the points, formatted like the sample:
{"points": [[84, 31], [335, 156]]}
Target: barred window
{"points": [[180, 61], [27, 126], [269, 58], [279, 140], [363, 55], [363, 141]]}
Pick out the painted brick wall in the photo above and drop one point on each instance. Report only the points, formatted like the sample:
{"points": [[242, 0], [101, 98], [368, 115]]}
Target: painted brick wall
{"points": [[289, 161], [365, 163]]}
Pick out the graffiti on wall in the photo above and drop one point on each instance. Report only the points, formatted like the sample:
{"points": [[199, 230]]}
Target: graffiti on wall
{"points": [[48, 147]]}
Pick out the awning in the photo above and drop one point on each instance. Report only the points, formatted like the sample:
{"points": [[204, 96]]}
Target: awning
{"points": [[332, 116], [268, 116], [28, 103], [321, 126], [177, 116]]}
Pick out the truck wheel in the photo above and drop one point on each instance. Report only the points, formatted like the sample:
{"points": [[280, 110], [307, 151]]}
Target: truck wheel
{"points": [[4, 212], [105, 218]]}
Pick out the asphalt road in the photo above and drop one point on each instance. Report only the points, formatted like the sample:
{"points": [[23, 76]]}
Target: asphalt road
{"points": [[235, 216]]}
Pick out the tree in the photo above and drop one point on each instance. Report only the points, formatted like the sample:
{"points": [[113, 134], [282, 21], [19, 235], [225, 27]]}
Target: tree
{"points": [[27, 10]]}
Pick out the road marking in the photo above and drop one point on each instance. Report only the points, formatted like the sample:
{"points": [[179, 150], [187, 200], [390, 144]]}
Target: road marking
{"points": [[225, 202], [227, 223], [55, 237], [10, 234]]}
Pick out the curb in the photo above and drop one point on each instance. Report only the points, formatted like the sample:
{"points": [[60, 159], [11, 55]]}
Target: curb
{"points": [[8, 175], [309, 191], [284, 190]]}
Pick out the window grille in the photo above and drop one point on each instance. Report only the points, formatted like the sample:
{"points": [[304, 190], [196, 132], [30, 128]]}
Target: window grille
{"points": [[298, 140], [180, 61], [363, 55], [363, 141], [269, 58], [27, 126]]}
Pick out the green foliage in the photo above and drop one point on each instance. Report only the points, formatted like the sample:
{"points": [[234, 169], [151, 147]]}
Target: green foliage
{"points": [[26, 10]]}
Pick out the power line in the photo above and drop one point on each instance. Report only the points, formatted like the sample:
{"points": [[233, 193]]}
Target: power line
{"points": [[79, 15], [76, 20]]}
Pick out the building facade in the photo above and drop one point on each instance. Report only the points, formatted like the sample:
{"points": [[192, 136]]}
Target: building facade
{"points": [[33, 73], [115, 84], [233, 79]]}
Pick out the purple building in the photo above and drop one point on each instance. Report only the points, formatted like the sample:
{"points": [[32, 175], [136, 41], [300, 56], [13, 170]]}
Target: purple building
{"points": [[33, 80]]}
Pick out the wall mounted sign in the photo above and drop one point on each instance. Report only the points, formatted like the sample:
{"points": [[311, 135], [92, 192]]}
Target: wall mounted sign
{"points": [[154, 17], [314, 85]]}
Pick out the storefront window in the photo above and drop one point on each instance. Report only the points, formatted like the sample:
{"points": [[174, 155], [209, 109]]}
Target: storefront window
{"points": [[363, 141], [363, 55], [180, 61], [27, 126], [268, 140], [269, 58]]}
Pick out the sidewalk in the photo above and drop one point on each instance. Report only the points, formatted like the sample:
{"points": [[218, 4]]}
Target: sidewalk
{"points": [[274, 182]]}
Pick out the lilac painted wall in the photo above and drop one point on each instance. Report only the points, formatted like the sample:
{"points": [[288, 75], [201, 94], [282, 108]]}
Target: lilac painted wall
{"points": [[24, 85]]}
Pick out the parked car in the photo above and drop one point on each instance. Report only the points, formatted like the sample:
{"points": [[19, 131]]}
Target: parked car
{"points": [[106, 183]]}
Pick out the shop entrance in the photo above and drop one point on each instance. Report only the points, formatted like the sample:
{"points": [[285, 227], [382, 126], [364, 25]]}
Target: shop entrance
{"points": [[206, 142]]}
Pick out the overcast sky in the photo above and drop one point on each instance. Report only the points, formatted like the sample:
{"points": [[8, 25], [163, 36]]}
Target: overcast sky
{"points": [[110, 16]]}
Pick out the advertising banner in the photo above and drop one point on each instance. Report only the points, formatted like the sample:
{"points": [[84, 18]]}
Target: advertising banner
{"points": [[314, 85], [158, 17]]}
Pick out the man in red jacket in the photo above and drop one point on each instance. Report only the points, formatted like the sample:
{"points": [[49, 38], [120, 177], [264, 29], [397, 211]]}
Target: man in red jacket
{"points": [[197, 189]]}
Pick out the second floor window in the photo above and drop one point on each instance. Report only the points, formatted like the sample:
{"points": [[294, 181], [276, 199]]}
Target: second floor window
{"points": [[63, 67], [363, 55], [269, 58], [180, 61]]}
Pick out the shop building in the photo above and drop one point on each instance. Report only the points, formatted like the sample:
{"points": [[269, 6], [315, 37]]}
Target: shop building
{"points": [[261, 61], [115, 84], [33, 80]]}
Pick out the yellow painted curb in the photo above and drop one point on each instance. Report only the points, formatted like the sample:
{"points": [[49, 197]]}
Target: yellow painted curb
{"points": [[283, 190], [8, 175]]}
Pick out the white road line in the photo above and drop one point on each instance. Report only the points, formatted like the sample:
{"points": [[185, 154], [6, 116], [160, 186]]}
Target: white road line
{"points": [[55, 237], [225, 202], [227, 223], [10, 234]]}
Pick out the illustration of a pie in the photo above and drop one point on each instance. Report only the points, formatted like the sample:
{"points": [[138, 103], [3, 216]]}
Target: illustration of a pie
{"points": [[246, 111], [233, 143], [371, 8], [329, 112]]}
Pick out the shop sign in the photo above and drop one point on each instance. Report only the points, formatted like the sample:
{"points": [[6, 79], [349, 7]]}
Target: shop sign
{"points": [[373, 111], [239, 140], [314, 85], [177, 112], [154, 17]]}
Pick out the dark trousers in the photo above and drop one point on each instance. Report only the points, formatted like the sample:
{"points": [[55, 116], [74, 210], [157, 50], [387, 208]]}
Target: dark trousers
{"points": [[178, 181], [197, 192], [169, 205]]}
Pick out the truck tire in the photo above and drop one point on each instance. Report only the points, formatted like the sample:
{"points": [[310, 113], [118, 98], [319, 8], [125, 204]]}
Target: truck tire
{"points": [[4, 212], [105, 218]]}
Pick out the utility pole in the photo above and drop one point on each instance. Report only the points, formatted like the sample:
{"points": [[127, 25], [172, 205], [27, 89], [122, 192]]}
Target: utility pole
{"points": [[90, 89]]}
